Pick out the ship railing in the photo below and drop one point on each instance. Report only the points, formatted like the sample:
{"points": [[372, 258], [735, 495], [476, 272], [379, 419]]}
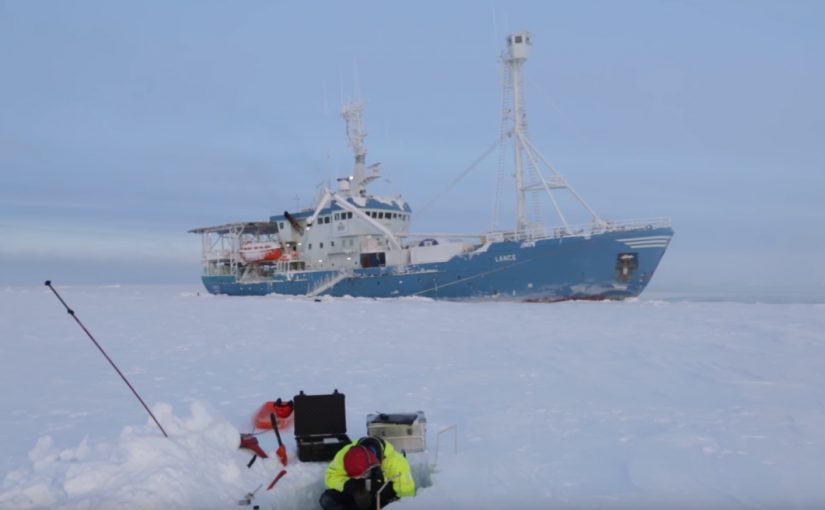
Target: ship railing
{"points": [[216, 255], [328, 282], [218, 271], [584, 230]]}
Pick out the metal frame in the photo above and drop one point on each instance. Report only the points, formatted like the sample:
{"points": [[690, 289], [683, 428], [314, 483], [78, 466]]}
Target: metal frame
{"points": [[220, 247], [438, 441]]}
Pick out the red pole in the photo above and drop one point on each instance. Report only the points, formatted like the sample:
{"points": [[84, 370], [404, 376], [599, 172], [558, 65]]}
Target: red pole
{"points": [[71, 312]]}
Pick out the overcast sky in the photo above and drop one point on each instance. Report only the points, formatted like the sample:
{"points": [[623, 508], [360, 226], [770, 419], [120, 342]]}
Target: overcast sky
{"points": [[123, 125]]}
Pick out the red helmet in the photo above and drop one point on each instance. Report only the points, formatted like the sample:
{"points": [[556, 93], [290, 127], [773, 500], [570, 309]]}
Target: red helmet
{"points": [[359, 460]]}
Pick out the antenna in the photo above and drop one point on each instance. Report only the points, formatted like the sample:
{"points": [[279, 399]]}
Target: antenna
{"points": [[355, 78], [341, 77], [495, 27], [326, 135], [387, 150]]}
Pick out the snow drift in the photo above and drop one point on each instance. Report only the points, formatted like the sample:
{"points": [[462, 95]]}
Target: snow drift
{"points": [[639, 404], [199, 466]]}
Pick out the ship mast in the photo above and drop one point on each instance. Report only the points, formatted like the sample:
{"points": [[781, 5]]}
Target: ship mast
{"points": [[518, 51], [352, 114]]}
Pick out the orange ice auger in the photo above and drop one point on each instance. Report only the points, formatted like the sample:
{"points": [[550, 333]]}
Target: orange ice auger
{"points": [[281, 448]]}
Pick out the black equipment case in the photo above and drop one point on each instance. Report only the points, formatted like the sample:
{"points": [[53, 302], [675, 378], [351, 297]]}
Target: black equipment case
{"points": [[320, 426]]}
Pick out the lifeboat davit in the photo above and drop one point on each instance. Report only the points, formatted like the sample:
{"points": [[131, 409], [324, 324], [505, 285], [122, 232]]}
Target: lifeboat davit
{"points": [[259, 252], [287, 257]]}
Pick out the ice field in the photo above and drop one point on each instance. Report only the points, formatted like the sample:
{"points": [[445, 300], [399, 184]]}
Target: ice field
{"points": [[639, 404]]}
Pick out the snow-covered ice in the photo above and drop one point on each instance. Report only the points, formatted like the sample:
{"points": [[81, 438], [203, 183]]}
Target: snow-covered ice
{"points": [[637, 404]]}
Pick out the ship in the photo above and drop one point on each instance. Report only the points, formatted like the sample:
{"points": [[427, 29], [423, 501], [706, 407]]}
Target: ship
{"points": [[359, 244]]}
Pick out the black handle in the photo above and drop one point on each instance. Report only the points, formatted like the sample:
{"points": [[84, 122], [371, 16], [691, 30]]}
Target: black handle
{"points": [[275, 428]]}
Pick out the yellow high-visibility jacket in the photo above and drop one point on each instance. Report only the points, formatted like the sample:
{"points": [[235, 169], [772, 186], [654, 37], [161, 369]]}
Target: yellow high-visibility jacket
{"points": [[393, 464]]}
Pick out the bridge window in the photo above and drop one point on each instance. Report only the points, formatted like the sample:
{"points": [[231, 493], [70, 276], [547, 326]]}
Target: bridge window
{"points": [[326, 219], [332, 243], [309, 246], [336, 216], [349, 215], [322, 245]]}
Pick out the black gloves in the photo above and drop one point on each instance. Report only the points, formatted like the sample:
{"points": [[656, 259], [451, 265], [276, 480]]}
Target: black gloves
{"points": [[358, 490], [352, 486], [362, 497]]}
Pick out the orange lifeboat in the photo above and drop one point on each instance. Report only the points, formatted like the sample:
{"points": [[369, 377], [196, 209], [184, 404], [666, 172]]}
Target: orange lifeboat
{"points": [[281, 410], [260, 252]]}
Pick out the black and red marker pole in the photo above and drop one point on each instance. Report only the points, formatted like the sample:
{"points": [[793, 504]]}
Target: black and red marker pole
{"points": [[71, 312]]}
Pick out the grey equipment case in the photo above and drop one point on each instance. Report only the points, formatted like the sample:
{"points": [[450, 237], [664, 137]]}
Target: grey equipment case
{"points": [[404, 431]]}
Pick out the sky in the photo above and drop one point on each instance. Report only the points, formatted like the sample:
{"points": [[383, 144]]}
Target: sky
{"points": [[123, 125]]}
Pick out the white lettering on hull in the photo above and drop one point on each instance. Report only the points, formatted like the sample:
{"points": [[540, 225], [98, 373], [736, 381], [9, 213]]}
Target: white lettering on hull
{"points": [[506, 258]]}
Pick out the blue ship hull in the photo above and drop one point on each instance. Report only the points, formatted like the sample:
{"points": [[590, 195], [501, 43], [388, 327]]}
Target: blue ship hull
{"points": [[611, 265]]}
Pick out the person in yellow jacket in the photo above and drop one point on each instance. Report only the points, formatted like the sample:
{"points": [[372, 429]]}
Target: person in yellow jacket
{"points": [[358, 471]]}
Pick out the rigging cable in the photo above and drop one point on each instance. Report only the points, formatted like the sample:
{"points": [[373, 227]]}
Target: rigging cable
{"points": [[458, 179], [502, 153]]}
